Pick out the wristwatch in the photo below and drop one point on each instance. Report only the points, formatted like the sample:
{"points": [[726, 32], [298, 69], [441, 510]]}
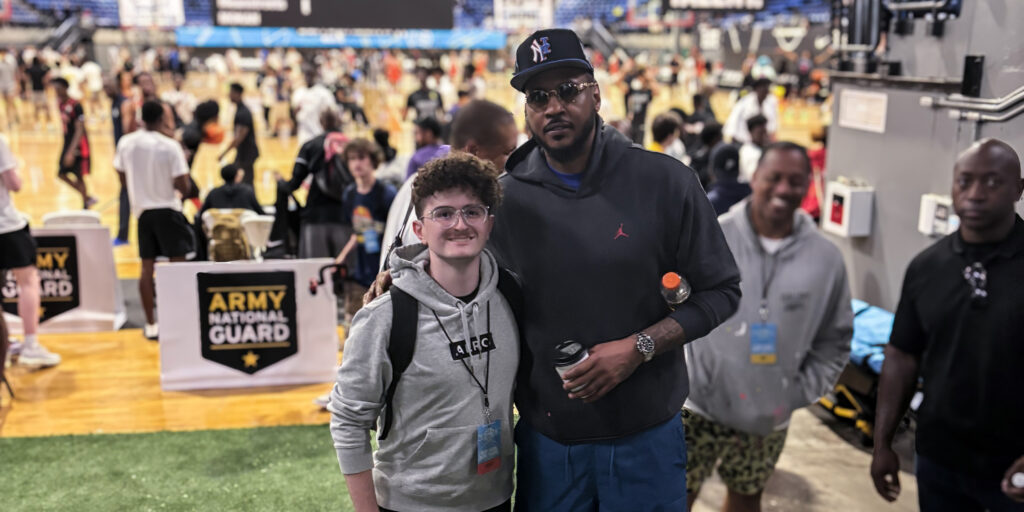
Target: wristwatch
{"points": [[645, 345]]}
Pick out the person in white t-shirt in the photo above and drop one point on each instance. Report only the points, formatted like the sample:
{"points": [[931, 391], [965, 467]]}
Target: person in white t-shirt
{"points": [[750, 151], [92, 76], [18, 254], [9, 84], [153, 167], [310, 103], [757, 102]]}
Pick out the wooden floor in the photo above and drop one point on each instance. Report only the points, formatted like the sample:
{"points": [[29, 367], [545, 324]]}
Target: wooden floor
{"points": [[109, 382]]}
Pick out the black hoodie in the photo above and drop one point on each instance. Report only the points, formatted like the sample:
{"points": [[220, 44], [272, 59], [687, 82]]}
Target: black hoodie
{"points": [[232, 195], [591, 262]]}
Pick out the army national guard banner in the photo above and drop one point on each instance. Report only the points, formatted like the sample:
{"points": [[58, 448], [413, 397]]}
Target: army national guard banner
{"points": [[244, 324], [78, 282]]}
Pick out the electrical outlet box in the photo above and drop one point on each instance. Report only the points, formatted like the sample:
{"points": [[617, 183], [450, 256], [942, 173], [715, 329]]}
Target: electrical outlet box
{"points": [[848, 209], [936, 217]]}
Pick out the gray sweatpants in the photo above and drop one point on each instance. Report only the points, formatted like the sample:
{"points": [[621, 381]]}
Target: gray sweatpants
{"points": [[325, 240]]}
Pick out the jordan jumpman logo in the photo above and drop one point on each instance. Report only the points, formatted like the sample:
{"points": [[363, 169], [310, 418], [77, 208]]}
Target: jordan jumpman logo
{"points": [[621, 233]]}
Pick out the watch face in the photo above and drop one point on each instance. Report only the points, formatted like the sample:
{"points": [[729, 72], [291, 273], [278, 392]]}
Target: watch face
{"points": [[645, 344]]}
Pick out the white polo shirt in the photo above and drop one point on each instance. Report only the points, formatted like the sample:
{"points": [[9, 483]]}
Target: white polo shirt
{"points": [[150, 161]]}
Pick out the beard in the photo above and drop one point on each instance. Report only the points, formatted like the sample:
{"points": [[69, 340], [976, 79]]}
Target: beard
{"points": [[575, 148]]}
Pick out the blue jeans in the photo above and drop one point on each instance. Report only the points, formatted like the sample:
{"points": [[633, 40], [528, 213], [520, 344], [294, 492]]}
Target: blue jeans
{"points": [[644, 472], [943, 489]]}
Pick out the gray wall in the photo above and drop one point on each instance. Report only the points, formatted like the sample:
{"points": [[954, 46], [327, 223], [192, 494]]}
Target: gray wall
{"points": [[915, 155], [985, 27]]}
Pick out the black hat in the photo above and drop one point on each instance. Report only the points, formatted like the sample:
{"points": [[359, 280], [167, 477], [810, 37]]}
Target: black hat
{"points": [[725, 162], [429, 124], [548, 49]]}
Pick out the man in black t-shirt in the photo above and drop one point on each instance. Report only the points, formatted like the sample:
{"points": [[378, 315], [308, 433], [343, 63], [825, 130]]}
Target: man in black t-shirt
{"points": [[245, 136], [638, 97], [425, 101], [958, 326], [37, 74]]}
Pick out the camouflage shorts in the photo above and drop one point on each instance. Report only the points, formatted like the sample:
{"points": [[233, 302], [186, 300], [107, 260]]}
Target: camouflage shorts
{"points": [[746, 460]]}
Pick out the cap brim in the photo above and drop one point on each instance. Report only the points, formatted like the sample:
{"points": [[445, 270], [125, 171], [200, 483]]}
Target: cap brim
{"points": [[519, 80]]}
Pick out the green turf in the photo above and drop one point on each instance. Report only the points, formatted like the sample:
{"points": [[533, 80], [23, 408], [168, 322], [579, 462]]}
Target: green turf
{"points": [[274, 468]]}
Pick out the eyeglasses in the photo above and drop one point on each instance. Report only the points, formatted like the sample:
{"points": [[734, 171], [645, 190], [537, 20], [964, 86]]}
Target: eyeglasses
{"points": [[448, 216], [977, 277], [566, 91]]}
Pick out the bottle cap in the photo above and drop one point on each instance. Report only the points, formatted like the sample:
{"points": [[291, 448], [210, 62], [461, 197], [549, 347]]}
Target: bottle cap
{"points": [[1017, 480], [671, 280]]}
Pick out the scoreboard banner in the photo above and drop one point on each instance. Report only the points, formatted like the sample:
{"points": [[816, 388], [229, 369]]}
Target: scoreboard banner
{"points": [[390, 14]]}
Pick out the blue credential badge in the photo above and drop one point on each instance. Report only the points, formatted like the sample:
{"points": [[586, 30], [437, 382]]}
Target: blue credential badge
{"points": [[488, 447], [763, 339]]}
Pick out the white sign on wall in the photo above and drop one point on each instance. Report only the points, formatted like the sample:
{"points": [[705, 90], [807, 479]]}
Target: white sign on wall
{"points": [[151, 13], [863, 110], [513, 15]]}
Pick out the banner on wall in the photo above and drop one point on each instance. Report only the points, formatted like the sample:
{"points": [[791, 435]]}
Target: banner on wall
{"points": [[713, 5], [57, 261], [254, 37], [247, 320], [390, 14]]}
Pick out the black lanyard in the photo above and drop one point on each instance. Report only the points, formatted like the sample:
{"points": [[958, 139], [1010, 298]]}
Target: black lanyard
{"points": [[487, 373]]}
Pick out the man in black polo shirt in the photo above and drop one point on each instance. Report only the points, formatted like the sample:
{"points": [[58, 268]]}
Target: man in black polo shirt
{"points": [[245, 136], [959, 326]]}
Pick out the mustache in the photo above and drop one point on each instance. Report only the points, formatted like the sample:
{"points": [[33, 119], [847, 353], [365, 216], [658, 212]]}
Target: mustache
{"points": [[557, 123]]}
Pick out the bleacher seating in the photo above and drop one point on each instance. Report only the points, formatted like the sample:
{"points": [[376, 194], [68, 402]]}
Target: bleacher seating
{"points": [[104, 12], [198, 12], [473, 13]]}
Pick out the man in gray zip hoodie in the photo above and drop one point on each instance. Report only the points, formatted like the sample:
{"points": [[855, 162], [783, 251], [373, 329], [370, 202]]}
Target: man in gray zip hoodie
{"points": [[460, 380], [785, 346]]}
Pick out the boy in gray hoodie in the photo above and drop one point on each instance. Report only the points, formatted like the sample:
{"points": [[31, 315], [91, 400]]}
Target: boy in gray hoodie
{"points": [[784, 347], [450, 446]]}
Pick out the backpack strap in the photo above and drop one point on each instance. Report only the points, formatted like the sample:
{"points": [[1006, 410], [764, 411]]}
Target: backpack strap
{"points": [[508, 286], [401, 344]]}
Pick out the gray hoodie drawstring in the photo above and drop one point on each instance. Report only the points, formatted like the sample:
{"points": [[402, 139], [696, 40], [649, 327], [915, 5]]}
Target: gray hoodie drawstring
{"points": [[474, 333]]}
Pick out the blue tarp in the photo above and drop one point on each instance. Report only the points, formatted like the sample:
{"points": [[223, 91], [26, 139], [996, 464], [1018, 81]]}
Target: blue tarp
{"points": [[872, 326]]}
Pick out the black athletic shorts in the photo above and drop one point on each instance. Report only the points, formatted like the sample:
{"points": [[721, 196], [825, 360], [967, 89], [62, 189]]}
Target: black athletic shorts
{"points": [[17, 249], [164, 232], [79, 167]]}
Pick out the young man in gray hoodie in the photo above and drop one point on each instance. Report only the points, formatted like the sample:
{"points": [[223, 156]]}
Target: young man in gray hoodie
{"points": [[785, 346], [450, 445]]}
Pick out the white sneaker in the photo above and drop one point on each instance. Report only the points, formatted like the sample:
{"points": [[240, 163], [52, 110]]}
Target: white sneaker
{"points": [[151, 332], [322, 400], [37, 356]]}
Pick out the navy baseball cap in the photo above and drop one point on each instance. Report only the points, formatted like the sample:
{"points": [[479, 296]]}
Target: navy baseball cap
{"points": [[548, 49]]}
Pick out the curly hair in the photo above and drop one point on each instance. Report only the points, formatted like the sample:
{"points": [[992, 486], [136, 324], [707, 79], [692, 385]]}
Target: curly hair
{"points": [[457, 171], [364, 147]]}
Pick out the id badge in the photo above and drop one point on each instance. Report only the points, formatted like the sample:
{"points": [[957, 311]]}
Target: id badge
{"points": [[488, 447], [763, 339], [371, 241]]}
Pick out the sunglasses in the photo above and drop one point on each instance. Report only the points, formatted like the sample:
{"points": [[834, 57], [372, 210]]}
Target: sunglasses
{"points": [[566, 91]]}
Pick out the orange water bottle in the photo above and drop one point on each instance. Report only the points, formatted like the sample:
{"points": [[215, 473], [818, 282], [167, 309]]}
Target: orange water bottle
{"points": [[675, 289]]}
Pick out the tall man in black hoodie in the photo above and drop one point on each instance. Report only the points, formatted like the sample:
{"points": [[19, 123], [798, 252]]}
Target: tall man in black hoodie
{"points": [[590, 223]]}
